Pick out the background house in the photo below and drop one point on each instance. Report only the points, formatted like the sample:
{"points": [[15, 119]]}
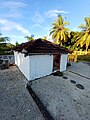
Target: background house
{"points": [[39, 58]]}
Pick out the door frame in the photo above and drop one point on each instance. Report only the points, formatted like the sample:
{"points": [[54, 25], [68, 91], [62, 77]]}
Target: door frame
{"points": [[56, 62]]}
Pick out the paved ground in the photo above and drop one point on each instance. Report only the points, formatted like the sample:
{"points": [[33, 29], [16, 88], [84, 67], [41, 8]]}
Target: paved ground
{"points": [[63, 99], [81, 68], [15, 101]]}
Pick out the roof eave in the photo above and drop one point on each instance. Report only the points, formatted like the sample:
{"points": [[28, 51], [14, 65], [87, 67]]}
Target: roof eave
{"points": [[30, 54]]}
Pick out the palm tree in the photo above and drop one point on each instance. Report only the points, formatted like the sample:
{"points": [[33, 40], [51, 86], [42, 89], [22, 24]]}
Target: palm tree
{"points": [[74, 36], [44, 38], [59, 32], [71, 41], [16, 44], [30, 38], [4, 39], [83, 38]]}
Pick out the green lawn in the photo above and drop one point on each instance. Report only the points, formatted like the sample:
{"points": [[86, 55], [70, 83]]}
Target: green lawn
{"points": [[83, 58]]}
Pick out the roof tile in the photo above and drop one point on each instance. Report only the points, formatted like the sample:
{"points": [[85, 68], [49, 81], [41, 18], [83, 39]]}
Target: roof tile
{"points": [[40, 46]]}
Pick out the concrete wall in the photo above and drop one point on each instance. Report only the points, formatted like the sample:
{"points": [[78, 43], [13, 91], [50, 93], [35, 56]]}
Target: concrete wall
{"points": [[37, 66], [63, 62], [40, 65], [34, 66], [23, 63]]}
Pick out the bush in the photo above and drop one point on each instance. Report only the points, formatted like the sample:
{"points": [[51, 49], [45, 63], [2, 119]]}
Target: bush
{"points": [[83, 58], [6, 49]]}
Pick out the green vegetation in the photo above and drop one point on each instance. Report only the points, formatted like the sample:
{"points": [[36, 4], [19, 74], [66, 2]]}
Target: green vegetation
{"points": [[5, 48], [71, 39], [30, 38], [3, 39], [59, 32], [83, 58], [44, 38], [16, 44], [83, 38]]}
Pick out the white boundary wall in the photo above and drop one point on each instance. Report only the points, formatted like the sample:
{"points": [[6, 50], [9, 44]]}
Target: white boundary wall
{"points": [[23, 63], [40, 65], [63, 62]]}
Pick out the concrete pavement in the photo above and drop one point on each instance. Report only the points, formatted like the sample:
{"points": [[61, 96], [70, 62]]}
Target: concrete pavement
{"points": [[81, 68], [63, 100], [15, 100]]}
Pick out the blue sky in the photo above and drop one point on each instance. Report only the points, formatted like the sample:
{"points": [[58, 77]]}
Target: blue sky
{"points": [[19, 18]]}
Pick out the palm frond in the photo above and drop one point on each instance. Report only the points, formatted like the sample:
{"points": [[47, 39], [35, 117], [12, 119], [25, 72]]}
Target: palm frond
{"points": [[87, 20], [83, 27], [52, 32], [55, 24], [88, 40], [54, 35], [65, 23], [59, 32], [60, 20]]}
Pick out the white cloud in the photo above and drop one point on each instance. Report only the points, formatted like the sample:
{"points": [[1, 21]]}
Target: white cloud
{"points": [[36, 25], [13, 4], [75, 29], [23, 30], [54, 13], [18, 38], [13, 9], [9, 25], [5, 28], [15, 36], [14, 14], [11, 15], [38, 18], [49, 38]]}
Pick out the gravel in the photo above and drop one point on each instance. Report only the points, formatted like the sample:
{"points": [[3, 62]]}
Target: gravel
{"points": [[15, 101]]}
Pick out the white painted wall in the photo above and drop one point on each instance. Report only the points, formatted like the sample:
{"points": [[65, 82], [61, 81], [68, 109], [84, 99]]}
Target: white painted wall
{"points": [[15, 56], [63, 62], [37, 66], [23, 63], [40, 65]]}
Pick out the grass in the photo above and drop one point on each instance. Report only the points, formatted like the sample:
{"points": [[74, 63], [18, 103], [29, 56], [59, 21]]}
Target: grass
{"points": [[83, 58]]}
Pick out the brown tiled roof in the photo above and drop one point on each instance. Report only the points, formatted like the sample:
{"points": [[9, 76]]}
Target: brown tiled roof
{"points": [[40, 46]]}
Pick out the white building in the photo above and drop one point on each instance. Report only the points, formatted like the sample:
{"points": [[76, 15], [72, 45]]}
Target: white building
{"points": [[39, 58]]}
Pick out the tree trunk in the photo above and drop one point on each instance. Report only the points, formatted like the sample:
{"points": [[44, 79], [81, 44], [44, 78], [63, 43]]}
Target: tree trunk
{"points": [[86, 50]]}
